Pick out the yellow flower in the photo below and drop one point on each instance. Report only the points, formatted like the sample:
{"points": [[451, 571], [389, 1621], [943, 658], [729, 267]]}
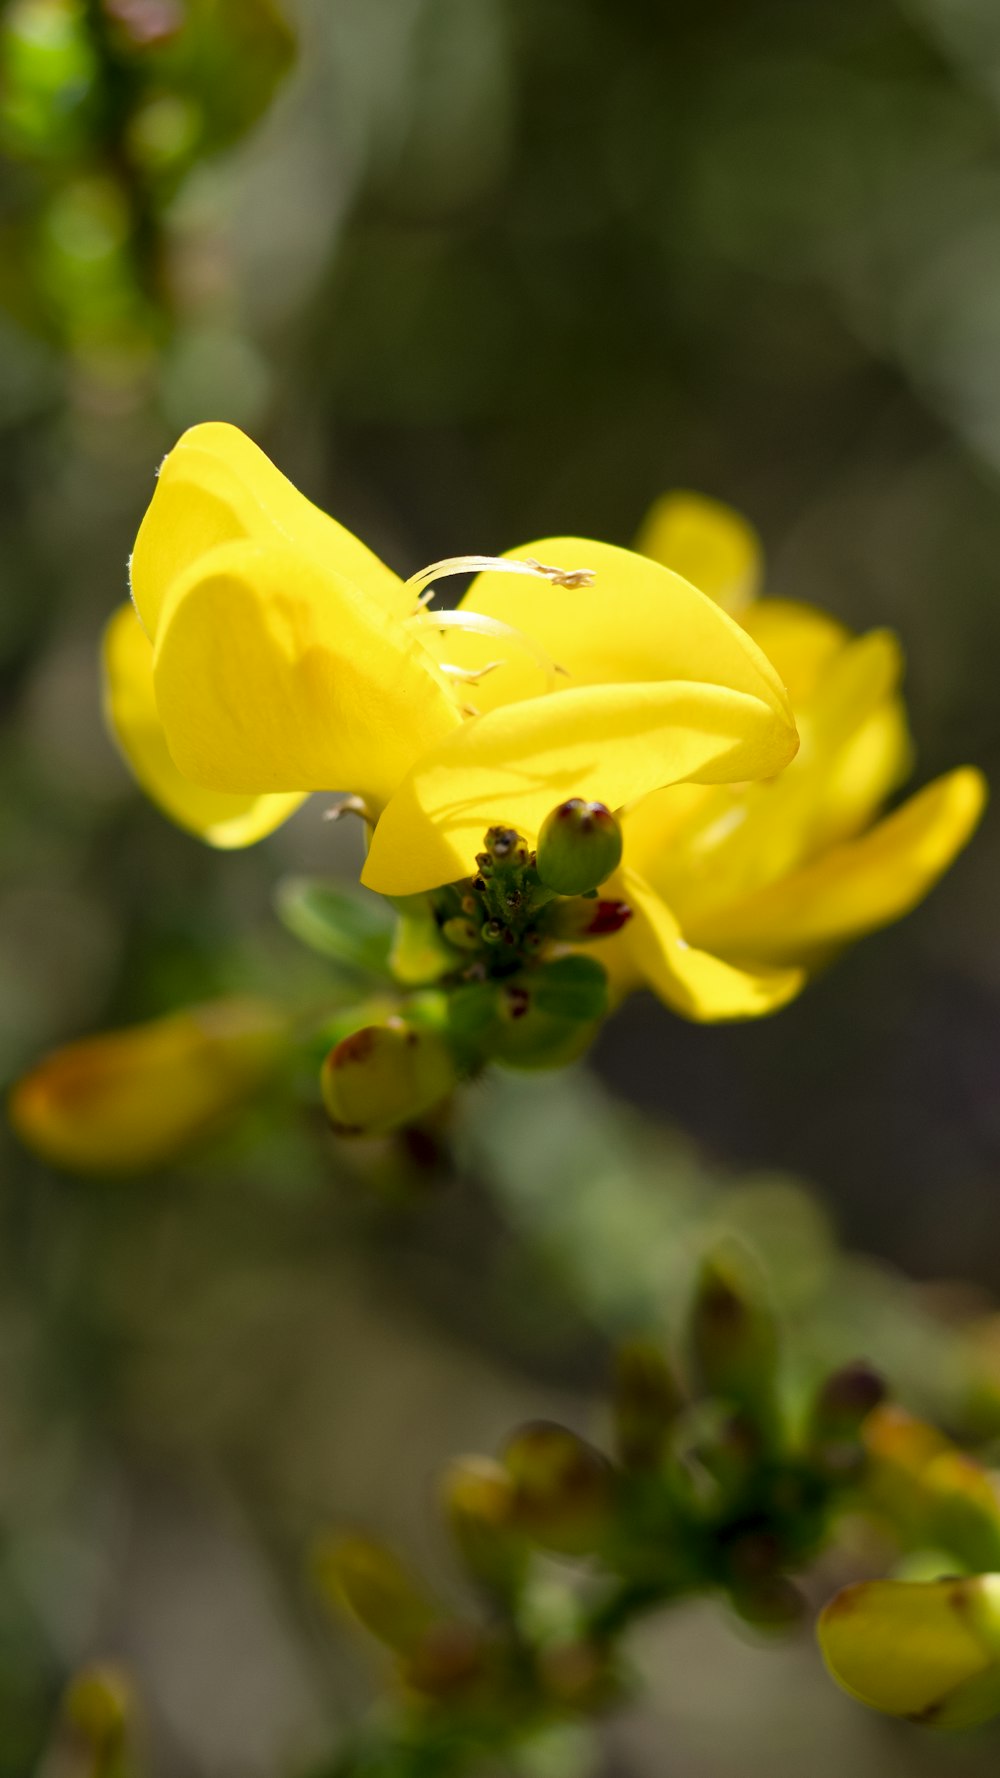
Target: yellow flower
{"points": [[134, 1099], [273, 655], [740, 890]]}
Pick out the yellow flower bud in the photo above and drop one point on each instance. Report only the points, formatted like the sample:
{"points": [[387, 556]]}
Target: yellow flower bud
{"points": [[926, 1650], [98, 1706], [385, 1076], [366, 1579], [563, 1487], [130, 1100]]}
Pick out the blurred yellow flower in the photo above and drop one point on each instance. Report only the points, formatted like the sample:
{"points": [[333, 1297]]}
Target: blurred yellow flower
{"points": [[273, 655], [134, 1099], [739, 891]]}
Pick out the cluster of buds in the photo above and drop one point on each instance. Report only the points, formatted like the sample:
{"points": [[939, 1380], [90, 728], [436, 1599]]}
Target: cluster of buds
{"points": [[427, 992], [487, 969], [712, 1483]]}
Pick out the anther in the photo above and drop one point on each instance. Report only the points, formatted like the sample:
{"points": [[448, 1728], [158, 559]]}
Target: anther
{"points": [[567, 577]]}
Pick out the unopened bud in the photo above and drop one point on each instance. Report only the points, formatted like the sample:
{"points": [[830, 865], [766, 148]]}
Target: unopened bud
{"points": [[773, 1603], [842, 1405], [563, 1487], [367, 1580], [450, 1658], [480, 1502], [98, 1706], [130, 1100], [385, 1076], [647, 1399], [734, 1338], [579, 847], [927, 1650], [462, 932], [581, 917], [504, 849], [576, 1674]]}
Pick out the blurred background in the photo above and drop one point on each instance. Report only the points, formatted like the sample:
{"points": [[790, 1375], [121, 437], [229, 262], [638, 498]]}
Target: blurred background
{"points": [[472, 271]]}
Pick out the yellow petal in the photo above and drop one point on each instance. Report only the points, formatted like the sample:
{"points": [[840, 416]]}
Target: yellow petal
{"points": [[129, 1100], [610, 743], [691, 981], [736, 840], [859, 886], [638, 621], [217, 487], [917, 1649], [130, 706], [274, 673], [708, 544], [799, 640]]}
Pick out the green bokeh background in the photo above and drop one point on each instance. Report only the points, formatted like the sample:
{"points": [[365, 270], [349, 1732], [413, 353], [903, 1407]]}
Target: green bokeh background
{"points": [[487, 269]]}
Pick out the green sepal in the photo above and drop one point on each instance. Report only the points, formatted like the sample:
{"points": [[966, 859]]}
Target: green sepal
{"points": [[573, 988]]}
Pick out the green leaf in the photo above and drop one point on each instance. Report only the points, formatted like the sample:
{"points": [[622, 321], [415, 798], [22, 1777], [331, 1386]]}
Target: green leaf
{"points": [[571, 988], [348, 926]]}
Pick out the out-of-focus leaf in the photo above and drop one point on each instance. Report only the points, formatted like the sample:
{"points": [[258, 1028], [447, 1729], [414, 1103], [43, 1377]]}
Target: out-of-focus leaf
{"points": [[352, 928], [230, 60]]}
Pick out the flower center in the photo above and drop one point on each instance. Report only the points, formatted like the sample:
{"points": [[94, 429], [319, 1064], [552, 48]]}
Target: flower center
{"points": [[473, 622]]}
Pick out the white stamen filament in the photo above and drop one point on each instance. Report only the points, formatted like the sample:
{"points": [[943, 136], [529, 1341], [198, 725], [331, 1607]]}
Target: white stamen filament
{"points": [[473, 622], [569, 577]]}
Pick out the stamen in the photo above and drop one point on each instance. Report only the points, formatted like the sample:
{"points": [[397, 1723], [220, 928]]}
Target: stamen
{"points": [[473, 622], [468, 675], [351, 805], [567, 577]]}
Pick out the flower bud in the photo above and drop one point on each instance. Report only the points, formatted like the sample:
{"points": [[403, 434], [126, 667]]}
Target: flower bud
{"points": [[927, 1650], [450, 1660], [98, 1707], [842, 1405], [131, 1100], [385, 1076], [580, 918], [578, 848], [734, 1338], [366, 1579], [480, 1502], [563, 1487], [647, 1399]]}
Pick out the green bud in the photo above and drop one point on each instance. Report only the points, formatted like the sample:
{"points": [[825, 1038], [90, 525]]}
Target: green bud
{"points": [[368, 1581], [734, 1338], [578, 848], [927, 1650], [647, 1399], [563, 1487], [462, 932], [842, 1405], [576, 1674], [449, 1660], [385, 1076]]}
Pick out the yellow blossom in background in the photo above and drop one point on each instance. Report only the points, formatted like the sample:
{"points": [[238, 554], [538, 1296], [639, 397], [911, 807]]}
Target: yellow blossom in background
{"points": [[739, 891], [129, 1100], [271, 655]]}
